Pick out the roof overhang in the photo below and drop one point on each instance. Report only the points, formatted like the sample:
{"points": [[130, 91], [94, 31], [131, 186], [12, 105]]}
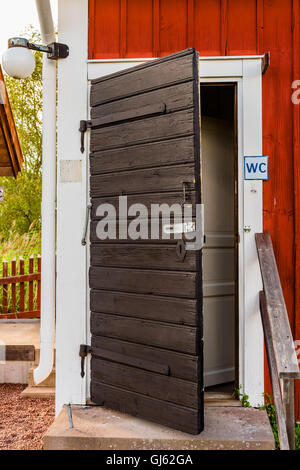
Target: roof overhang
{"points": [[10, 150]]}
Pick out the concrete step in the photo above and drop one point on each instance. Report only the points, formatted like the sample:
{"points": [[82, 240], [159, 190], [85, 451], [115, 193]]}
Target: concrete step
{"points": [[45, 389], [48, 382], [38, 392], [97, 428], [220, 399]]}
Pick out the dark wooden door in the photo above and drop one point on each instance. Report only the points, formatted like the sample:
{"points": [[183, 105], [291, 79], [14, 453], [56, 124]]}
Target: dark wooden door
{"points": [[146, 299]]}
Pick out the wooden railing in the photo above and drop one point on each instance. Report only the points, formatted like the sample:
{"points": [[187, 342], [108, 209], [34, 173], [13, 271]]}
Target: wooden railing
{"points": [[280, 348], [20, 288]]}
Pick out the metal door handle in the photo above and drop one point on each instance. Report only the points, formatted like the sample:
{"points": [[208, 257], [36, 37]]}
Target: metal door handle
{"points": [[185, 197], [86, 224]]}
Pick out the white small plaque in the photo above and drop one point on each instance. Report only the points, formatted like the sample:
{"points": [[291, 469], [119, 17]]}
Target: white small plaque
{"points": [[70, 171]]}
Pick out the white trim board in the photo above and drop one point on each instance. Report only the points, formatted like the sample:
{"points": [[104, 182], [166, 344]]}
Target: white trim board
{"points": [[71, 282], [213, 68]]}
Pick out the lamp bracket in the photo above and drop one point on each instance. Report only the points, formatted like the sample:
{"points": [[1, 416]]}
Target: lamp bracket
{"points": [[54, 51]]}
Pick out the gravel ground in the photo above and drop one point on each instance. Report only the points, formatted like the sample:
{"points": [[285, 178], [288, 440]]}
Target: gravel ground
{"points": [[23, 421]]}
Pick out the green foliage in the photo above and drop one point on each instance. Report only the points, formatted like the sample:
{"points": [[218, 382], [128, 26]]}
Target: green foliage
{"points": [[244, 399], [270, 409], [297, 435], [21, 209], [20, 246], [16, 247]]}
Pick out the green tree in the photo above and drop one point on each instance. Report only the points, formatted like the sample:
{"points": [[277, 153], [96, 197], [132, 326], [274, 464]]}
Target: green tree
{"points": [[20, 212]]}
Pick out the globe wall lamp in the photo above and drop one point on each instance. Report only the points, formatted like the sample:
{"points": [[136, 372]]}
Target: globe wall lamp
{"points": [[19, 62]]}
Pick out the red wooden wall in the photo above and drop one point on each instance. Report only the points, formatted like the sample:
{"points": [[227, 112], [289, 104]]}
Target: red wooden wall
{"points": [[153, 28]]}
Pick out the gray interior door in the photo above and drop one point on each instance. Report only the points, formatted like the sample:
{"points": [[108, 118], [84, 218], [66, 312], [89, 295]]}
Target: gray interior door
{"points": [[218, 154], [146, 295]]}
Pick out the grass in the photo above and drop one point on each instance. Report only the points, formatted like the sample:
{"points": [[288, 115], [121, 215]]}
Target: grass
{"points": [[297, 435], [16, 247], [270, 409]]}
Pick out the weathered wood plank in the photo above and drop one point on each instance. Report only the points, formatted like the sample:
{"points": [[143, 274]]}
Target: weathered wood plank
{"points": [[131, 361], [177, 284], [146, 199], [21, 314], [155, 128], [30, 287], [142, 78], [176, 338], [175, 416], [180, 365], [13, 286], [22, 286], [5, 287], [282, 338], [178, 97], [288, 387], [279, 410], [143, 156], [159, 386], [141, 256], [152, 180], [19, 352], [119, 117], [142, 228], [163, 309], [22, 278]]}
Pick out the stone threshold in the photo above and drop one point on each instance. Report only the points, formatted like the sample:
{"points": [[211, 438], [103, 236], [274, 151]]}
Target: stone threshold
{"points": [[98, 428]]}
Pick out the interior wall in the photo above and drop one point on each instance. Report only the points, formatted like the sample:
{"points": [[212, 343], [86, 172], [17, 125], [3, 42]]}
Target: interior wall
{"points": [[218, 168]]}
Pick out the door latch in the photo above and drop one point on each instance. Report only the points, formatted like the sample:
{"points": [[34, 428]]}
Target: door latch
{"points": [[86, 224], [84, 126], [185, 227], [84, 350], [186, 199]]}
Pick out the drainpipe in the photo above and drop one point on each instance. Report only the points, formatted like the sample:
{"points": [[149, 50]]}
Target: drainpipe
{"points": [[47, 327]]}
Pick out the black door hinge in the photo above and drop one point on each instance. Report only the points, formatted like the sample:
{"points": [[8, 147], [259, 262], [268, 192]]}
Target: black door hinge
{"points": [[84, 126], [84, 350]]}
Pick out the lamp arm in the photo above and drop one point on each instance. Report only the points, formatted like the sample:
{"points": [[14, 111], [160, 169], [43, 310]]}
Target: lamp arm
{"points": [[55, 50]]}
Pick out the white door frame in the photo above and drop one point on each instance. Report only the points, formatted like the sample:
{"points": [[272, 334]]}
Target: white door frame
{"points": [[72, 307]]}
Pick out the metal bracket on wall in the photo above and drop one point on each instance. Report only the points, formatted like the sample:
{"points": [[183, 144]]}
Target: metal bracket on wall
{"points": [[84, 126], [86, 224], [265, 63], [84, 350]]}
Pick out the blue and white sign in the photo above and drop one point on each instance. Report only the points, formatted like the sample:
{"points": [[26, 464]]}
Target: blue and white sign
{"points": [[256, 168]]}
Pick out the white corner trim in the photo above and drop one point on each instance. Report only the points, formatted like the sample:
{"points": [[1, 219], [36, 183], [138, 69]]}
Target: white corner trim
{"points": [[71, 203]]}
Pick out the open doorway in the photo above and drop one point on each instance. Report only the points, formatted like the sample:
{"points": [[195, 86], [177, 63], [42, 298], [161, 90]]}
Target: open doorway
{"points": [[219, 177]]}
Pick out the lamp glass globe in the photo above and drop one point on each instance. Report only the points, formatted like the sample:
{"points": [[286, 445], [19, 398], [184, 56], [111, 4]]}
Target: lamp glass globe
{"points": [[18, 62]]}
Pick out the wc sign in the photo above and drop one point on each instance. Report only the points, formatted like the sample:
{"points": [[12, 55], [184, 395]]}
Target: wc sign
{"points": [[256, 168]]}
